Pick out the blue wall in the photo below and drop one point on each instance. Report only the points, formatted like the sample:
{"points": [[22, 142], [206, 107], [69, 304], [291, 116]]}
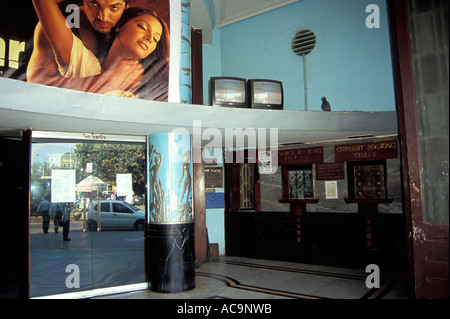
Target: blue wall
{"points": [[215, 223], [350, 65]]}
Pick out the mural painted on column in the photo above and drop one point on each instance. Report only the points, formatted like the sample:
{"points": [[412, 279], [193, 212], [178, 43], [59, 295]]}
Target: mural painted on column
{"points": [[119, 47], [170, 178]]}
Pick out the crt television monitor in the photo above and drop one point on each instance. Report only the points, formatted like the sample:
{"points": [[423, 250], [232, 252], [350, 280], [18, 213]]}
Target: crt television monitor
{"points": [[228, 91], [265, 94]]}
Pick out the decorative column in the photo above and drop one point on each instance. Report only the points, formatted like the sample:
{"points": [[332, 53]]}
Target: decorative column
{"points": [[170, 252], [185, 63]]}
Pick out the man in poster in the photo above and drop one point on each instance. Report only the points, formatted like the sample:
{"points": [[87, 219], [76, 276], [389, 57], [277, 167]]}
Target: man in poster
{"points": [[111, 49], [94, 25]]}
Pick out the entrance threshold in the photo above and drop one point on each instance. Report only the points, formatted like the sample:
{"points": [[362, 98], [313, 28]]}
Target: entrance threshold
{"points": [[98, 292]]}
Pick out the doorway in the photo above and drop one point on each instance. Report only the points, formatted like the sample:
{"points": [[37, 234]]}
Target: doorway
{"points": [[97, 183]]}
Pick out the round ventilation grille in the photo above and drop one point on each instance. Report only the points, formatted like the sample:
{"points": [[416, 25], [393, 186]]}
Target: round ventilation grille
{"points": [[303, 42]]}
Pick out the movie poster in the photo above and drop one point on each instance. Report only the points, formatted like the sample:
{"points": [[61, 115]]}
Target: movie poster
{"points": [[112, 47]]}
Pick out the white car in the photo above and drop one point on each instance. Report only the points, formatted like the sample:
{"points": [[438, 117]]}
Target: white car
{"points": [[115, 215]]}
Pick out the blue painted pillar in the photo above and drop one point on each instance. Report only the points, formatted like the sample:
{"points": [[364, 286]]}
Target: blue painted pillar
{"points": [[170, 251], [185, 63]]}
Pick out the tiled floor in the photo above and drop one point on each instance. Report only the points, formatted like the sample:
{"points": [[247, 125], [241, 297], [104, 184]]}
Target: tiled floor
{"points": [[243, 278]]}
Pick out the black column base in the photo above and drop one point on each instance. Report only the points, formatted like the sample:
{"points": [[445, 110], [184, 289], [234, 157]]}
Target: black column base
{"points": [[170, 257]]}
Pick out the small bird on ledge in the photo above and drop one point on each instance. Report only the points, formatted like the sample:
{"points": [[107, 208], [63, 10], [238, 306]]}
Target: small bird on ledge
{"points": [[325, 105]]}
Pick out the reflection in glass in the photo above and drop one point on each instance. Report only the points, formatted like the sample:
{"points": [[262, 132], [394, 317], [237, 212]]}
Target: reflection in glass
{"points": [[78, 175]]}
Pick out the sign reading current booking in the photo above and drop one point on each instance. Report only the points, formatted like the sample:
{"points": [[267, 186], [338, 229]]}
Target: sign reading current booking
{"points": [[366, 151]]}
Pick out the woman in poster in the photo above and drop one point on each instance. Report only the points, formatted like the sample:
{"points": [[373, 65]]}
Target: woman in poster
{"points": [[136, 64]]}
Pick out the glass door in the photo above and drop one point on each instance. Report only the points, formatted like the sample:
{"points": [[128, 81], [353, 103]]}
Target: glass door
{"points": [[87, 215]]}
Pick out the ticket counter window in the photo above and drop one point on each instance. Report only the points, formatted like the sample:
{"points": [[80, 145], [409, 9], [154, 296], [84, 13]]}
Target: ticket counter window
{"points": [[301, 183], [99, 252], [367, 180]]}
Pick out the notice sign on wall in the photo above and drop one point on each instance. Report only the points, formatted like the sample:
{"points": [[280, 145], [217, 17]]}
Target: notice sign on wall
{"points": [[330, 171], [331, 190], [63, 186]]}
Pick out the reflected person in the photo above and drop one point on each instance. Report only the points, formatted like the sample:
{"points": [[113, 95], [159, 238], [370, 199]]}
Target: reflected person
{"points": [[65, 220], [44, 211], [56, 215]]}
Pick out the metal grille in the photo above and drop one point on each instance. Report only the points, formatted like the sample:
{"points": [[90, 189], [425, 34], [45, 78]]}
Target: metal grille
{"points": [[246, 185], [369, 182], [303, 42], [301, 184]]}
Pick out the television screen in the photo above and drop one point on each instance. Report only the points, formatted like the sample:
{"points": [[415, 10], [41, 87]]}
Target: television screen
{"points": [[266, 94], [228, 91]]}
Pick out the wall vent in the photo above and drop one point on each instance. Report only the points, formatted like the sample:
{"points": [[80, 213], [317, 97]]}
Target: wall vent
{"points": [[303, 42]]}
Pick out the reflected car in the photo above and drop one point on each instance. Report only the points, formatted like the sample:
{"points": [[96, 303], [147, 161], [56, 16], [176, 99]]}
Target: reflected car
{"points": [[115, 215]]}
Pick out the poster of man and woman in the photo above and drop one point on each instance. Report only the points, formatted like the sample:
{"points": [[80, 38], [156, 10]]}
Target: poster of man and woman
{"points": [[111, 47]]}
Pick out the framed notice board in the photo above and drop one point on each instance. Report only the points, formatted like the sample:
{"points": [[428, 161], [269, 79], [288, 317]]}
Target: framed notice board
{"points": [[213, 177]]}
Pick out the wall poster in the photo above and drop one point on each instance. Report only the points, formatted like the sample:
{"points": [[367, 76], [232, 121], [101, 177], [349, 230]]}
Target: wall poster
{"points": [[112, 47]]}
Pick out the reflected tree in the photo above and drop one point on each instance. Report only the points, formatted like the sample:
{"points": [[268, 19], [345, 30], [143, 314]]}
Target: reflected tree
{"points": [[112, 159]]}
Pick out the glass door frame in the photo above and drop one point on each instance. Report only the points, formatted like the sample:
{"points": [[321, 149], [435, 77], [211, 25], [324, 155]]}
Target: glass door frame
{"points": [[74, 137]]}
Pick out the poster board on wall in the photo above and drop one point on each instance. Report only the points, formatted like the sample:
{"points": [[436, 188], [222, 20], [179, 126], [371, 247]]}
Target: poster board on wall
{"points": [[93, 58]]}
